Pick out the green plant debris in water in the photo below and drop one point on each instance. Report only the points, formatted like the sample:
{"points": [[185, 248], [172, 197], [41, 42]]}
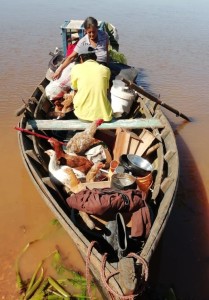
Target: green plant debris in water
{"points": [[40, 287], [56, 223]]}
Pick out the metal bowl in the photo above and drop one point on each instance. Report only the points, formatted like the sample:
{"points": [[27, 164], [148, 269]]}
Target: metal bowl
{"points": [[139, 164], [135, 169], [124, 162], [123, 181]]}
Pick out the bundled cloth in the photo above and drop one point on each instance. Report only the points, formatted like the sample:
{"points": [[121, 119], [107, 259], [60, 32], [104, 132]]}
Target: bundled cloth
{"points": [[107, 202], [141, 222]]}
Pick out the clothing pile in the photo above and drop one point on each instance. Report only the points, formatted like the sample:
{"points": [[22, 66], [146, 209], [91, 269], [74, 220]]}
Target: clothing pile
{"points": [[107, 202]]}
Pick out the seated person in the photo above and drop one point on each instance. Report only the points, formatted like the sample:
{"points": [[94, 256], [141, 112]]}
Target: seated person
{"points": [[95, 38], [91, 81]]}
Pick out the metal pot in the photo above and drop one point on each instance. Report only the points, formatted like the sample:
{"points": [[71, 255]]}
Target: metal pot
{"points": [[139, 165], [123, 181], [127, 166], [124, 162]]}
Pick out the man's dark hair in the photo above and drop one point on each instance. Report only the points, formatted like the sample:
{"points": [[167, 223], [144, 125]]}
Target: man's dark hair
{"points": [[88, 56]]}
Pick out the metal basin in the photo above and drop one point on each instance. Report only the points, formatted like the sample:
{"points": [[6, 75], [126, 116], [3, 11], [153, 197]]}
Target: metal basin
{"points": [[124, 162], [123, 181], [139, 165]]}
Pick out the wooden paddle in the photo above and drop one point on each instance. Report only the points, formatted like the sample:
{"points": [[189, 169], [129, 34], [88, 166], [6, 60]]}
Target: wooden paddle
{"points": [[153, 98]]}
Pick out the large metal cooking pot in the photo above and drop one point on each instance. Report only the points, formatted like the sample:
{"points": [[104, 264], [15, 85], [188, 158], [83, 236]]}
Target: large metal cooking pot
{"points": [[138, 163], [135, 164]]}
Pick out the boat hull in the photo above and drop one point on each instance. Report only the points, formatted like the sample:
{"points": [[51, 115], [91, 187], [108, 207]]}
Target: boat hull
{"points": [[166, 165]]}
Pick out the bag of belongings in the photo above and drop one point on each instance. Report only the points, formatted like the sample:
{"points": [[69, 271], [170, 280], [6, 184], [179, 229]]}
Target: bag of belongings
{"points": [[57, 88], [107, 201]]}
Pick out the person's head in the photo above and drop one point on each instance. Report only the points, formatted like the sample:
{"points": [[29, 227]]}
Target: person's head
{"points": [[86, 52], [91, 27]]}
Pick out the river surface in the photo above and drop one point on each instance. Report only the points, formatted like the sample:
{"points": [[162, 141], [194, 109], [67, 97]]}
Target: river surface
{"points": [[169, 42]]}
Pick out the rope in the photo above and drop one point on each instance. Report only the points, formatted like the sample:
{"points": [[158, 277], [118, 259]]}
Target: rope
{"points": [[88, 279], [106, 285], [105, 280], [145, 269], [143, 262]]}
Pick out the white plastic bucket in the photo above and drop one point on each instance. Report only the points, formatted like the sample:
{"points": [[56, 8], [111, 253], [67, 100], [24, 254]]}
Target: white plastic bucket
{"points": [[121, 99]]}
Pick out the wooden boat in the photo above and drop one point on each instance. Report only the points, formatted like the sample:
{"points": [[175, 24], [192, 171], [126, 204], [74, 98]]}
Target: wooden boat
{"points": [[146, 130]]}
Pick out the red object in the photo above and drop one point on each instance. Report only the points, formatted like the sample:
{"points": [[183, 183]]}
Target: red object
{"points": [[99, 122], [70, 49], [36, 134]]}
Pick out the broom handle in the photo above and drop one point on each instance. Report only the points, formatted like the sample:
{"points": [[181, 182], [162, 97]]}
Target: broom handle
{"points": [[36, 134]]}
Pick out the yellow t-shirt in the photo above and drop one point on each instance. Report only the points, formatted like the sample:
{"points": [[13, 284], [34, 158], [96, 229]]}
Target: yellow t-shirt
{"points": [[91, 80]]}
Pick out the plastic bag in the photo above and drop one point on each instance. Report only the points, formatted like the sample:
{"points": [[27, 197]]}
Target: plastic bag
{"points": [[57, 88]]}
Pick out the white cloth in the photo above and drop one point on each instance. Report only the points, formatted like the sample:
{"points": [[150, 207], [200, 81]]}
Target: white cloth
{"points": [[57, 88]]}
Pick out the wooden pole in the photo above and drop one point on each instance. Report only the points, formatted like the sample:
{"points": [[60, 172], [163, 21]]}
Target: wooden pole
{"points": [[153, 98], [36, 134]]}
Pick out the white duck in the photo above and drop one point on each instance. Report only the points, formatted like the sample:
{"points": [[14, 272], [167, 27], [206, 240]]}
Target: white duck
{"points": [[63, 174], [67, 176]]}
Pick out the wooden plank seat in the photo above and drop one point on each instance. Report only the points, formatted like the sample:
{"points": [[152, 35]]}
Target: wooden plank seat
{"points": [[78, 125]]}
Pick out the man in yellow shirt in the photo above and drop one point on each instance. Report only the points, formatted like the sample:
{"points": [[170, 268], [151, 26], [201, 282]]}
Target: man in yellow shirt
{"points": [[91, 81]]}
